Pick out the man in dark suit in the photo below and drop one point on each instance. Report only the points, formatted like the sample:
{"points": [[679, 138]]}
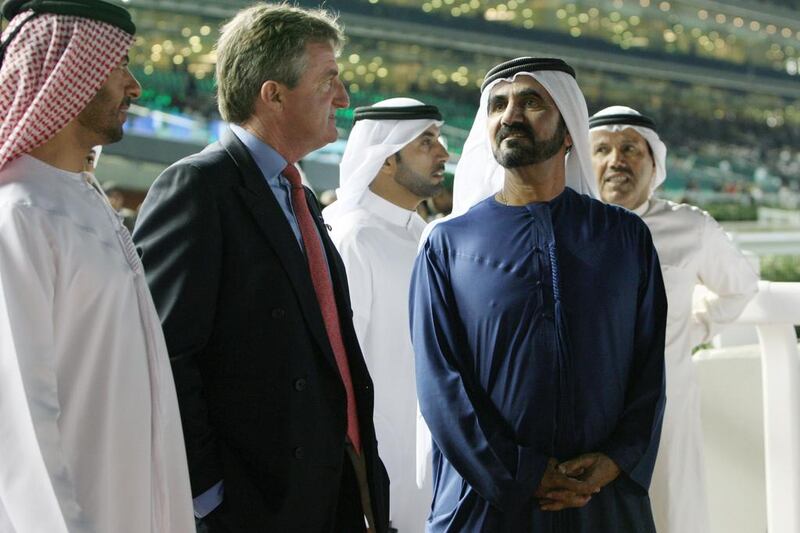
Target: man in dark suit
{"points": [[275, 397]]}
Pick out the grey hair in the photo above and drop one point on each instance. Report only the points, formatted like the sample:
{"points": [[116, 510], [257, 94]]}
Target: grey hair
{"points": [[267, 42]]}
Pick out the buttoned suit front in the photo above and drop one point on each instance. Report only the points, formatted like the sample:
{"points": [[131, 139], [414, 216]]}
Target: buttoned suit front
{"points": [[261, 398]]}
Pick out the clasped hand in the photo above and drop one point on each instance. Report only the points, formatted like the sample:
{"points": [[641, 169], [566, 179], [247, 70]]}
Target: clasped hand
{"points": [[574, 482]]}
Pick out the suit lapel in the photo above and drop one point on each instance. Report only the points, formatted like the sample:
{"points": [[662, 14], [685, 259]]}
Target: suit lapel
{"points": [[273, 224]]}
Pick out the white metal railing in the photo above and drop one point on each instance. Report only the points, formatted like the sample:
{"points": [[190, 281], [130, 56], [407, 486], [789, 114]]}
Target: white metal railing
{"points": [[775, 311]]}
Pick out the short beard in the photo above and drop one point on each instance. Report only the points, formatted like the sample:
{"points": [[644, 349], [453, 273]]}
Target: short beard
{"points": [[416, 183], [99, 117], [525, 151]]}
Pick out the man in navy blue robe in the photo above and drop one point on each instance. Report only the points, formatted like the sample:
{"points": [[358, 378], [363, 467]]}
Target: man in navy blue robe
{"points": [[538, 317]]}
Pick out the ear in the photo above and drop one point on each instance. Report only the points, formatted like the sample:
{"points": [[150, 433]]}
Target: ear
{"points": [[390, 163], [272, 93], [568, 144], [388, 168]]}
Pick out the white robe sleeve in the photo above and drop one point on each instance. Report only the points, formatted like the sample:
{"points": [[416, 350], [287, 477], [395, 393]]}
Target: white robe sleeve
{"points": [[424, 449], [727, 273], [36, 489], [359, 279]]}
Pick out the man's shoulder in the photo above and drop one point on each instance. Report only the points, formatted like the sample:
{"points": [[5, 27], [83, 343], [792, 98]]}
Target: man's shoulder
{"points": [[55, 205], [27, 198], [452, 227], [212, 163], [476, 214], [25, 189], [474, 230], [209, 157], [605, 217], [20, 191], [356, 228], [688, 212], [192, 185]]}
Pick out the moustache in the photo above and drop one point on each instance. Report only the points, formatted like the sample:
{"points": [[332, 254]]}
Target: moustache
{"points": [[617, 171], [505, 131]]}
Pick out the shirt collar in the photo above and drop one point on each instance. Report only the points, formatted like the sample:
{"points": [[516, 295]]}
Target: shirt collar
{"points": [[394, 214], [269, 162]]}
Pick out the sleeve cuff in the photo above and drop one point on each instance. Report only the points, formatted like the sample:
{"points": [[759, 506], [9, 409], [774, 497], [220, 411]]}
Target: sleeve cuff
{"points": [[530, 469], [624, 457], [632, 464], [209, 500]]}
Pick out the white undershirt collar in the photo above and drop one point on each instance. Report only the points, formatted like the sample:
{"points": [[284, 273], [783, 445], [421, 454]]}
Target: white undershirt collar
{"points": [[392, 213], [642, 209]]}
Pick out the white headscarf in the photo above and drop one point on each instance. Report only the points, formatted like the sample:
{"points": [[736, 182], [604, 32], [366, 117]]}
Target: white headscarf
{"points": [[371, 142], [478, 174], [656, 144]]}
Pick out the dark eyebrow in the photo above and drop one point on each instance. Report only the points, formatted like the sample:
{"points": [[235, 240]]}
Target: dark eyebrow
{"points": [[524, 93], [530, 92], [498, 98]]}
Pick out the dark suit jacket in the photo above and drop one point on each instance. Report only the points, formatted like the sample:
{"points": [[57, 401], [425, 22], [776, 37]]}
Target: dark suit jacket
{"points": [[261, 398]]}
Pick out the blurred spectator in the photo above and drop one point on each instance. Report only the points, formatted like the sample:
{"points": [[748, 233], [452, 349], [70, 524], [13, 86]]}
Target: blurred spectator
{"points": [[116, 197], [443, 203], [327, 197], [91, 159]]}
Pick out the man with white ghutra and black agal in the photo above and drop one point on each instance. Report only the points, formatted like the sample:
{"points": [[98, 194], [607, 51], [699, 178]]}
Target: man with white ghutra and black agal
{"points": [[629, 160], [538, 316], [393, 161]]}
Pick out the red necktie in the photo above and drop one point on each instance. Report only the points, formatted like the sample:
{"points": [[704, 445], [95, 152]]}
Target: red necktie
{"points": [[323, 287]]}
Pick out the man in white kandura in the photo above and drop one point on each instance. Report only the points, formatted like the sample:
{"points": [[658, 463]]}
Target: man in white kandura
{"points": [[90, 434], [629, 161], [393, 161]]}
